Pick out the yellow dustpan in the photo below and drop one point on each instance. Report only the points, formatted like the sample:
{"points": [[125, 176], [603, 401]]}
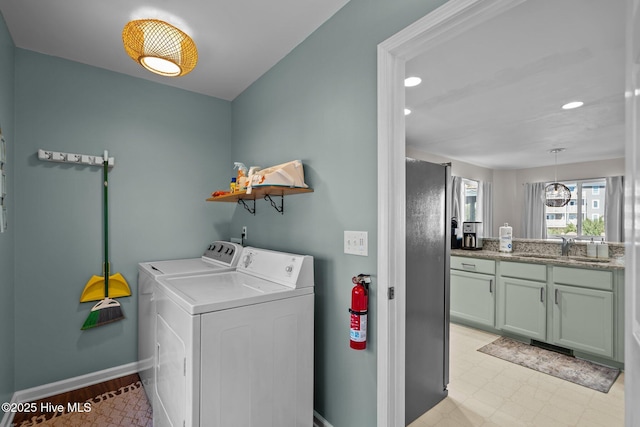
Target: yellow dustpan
{"points": [[96, 288]]}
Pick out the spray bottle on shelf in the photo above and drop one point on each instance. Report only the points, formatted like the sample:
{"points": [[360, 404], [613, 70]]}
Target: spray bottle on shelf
{"points": [[241, 178]]}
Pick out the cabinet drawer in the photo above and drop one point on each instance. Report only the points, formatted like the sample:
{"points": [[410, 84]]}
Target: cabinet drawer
{"points": [[523, 270], [475, 265], [595, 279]]}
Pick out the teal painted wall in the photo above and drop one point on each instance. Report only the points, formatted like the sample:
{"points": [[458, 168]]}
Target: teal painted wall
{"points": [[171, 148], [7, 238], [319, 104]]}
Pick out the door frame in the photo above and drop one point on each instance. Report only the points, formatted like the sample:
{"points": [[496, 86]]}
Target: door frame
{"points": [[632, 216], [445, 22]]}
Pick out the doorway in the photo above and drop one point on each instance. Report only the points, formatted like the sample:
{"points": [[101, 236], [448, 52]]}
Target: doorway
{"points": [[446, 22]]}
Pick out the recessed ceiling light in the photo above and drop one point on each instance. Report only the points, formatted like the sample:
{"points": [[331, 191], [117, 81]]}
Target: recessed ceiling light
{"points": [[407, 111], [572, 105], [412, 81]]}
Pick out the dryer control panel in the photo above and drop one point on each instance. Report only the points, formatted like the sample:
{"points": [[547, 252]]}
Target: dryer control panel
{"points": [[294, 271]]}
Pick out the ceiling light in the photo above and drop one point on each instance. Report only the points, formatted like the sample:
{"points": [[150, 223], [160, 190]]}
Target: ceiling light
{"points": [[160, 47], [572, 105], [407, 111], [412, 81]]}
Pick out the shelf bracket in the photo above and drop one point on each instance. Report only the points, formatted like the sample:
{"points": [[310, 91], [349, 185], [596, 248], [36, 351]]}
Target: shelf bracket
{"points": [[280, 208], [252, 211]]}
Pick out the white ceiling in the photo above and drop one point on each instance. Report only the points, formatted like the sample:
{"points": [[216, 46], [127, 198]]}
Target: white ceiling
{"points": [[492, 96], [237, 40]]}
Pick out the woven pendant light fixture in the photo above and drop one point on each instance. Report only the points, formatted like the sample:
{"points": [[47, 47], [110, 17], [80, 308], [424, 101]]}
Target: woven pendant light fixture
{"points": [[556, 194], [160, 47]]}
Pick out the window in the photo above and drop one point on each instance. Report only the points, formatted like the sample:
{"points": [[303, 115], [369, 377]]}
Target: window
{"points": [[583, 215], [470, 194]]}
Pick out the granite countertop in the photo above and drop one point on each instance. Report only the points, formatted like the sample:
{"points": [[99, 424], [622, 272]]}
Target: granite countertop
{"points": [[615, 263]]}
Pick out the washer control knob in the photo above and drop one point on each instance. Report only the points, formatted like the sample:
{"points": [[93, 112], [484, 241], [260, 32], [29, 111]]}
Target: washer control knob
{"points": [[246, 260], [288, 269]]}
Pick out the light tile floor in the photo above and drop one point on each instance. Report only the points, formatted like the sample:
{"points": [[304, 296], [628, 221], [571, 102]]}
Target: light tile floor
{"points": [[487, 391]]}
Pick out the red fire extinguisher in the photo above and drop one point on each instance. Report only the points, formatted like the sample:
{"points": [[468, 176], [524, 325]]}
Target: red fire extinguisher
{"points": [[359, 310]]}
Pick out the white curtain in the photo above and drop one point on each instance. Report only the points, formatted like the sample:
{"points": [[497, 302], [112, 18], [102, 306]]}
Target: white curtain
{"points": [[614, 209], [457, 202], [485, 207], [535, 222]]}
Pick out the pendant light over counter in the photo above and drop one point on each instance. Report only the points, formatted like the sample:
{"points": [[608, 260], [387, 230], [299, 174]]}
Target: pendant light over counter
{"points": [[557, 194], [160, 47]]}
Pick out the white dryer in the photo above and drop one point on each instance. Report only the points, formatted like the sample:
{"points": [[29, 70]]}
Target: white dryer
{"points": [[236, 348], [219, 256]]}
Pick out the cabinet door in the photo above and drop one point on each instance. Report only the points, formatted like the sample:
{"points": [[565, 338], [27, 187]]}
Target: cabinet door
{"points": [[473, 297], [583, 319], [522, 307]]}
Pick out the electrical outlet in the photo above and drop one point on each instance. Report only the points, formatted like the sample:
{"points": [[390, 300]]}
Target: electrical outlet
{"points": [[356, 243], [244, 231]]}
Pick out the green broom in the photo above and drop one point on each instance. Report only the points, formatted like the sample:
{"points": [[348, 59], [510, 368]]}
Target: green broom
{"points": [[107, 310]]}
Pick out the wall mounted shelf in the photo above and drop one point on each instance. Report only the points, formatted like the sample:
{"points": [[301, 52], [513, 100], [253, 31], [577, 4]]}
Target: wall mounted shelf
{"points": [[265, 192]]}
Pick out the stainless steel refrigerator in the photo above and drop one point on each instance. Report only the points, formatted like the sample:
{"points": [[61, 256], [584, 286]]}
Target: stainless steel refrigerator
{"points": [[427, 275]]}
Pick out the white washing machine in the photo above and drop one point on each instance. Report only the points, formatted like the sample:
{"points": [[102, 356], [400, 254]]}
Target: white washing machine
{"points": [[236, 348], [219, 256]]}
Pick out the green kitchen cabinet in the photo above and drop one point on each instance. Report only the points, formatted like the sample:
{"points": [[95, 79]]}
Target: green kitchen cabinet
{"points": [[583, 310], [522, 307], [574, 307], [473, 297], [521, 299]]}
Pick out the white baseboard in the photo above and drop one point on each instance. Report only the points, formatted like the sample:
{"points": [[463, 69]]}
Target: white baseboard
{"points": [[51, 389], [318, 421]]}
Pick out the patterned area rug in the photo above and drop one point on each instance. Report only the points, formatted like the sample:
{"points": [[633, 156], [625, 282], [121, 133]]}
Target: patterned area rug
{"points": [[578, 371], [127, 406]]}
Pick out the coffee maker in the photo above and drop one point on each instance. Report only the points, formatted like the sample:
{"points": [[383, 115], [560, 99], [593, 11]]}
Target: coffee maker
{"points": [[472, 235], [456, 242]]}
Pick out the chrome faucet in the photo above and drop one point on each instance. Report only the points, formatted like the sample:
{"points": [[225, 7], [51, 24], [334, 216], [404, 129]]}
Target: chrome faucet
{"points": [[566, 245]]}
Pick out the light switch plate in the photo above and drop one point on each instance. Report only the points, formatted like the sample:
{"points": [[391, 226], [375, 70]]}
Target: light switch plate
{"points": [[356, 243]]}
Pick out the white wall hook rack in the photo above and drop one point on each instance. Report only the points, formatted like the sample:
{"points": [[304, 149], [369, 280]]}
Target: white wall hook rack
{"points": [[79, 159]]}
